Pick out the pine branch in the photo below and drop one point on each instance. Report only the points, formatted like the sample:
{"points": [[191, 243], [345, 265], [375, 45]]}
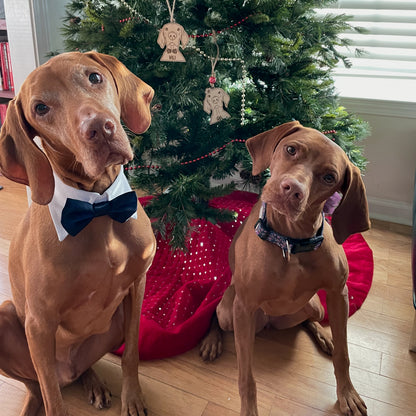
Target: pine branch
{"points": [[288, 51]]}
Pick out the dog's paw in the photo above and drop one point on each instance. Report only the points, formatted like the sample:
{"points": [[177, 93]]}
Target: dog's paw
{"points": [[322, 336], [350, 403], [133, 407], [99, 395], [211, 346]]}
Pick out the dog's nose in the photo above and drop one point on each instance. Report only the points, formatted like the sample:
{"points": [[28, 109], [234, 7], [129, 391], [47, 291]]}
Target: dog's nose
{"points": [[148, 95], [292, 189], [96, 127], [109, 128]]}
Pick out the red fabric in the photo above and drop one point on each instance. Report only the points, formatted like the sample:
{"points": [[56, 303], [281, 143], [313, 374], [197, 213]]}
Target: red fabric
{"points": [[184, 288]]}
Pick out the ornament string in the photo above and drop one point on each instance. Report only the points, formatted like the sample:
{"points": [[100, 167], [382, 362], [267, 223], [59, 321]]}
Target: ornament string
{"points": [[214, 152], [214, 62], [171, 10]]}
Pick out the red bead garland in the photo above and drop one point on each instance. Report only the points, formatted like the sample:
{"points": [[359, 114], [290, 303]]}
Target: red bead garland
{"points": [[206, 35], [219, 149]]}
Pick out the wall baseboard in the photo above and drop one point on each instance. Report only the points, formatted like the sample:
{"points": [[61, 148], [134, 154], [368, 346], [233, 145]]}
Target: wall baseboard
{"points": [[391, 211]]}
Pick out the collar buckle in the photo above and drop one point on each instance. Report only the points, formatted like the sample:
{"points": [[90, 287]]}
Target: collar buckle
{"points": [[287, 251]]}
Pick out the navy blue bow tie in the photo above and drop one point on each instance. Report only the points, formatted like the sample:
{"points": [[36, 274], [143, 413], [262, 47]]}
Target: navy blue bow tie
{"points": [[76, 215]]}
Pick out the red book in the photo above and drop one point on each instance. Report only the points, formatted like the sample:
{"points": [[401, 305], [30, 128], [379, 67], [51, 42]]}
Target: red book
{"points": [[6, 65], [10, 66], [4, 71]]}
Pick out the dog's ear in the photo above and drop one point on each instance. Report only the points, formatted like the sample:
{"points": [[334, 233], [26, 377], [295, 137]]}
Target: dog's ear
{"points": [[134, 94], [225, 99], [207, 103], [351, 216], [261, 147], [161, 39], [20, 158], [184, 38]]}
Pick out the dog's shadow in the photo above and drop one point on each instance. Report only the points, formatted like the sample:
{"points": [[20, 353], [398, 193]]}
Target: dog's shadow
{"points": [[286, 344]]}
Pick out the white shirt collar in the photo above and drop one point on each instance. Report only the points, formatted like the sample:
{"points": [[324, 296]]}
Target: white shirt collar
{"points": [[62, 192]]}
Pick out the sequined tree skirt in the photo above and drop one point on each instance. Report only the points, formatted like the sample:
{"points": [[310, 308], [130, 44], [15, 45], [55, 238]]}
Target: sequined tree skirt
{"points": [[184, 288]]}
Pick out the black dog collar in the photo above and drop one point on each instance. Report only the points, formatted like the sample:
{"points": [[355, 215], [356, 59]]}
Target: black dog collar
{"points": [[288, 245]]}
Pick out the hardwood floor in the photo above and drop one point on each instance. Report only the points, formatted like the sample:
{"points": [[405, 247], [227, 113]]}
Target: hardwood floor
{"points": [[293, 377]]}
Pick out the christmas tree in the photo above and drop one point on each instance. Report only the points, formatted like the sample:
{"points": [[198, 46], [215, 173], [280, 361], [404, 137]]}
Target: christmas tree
{"points": [[266, 61]]}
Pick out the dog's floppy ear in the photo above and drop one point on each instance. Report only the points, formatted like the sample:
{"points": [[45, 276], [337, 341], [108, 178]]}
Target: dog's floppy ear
{"points": [[225, 99], [161, 39], [261, 147], [351, 216], [207, 103], [184, 38], [20, 158], [134, 94]]}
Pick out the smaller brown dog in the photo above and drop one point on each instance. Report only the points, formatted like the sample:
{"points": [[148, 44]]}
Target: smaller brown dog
{"points": [[77, 275], [285, 252]]}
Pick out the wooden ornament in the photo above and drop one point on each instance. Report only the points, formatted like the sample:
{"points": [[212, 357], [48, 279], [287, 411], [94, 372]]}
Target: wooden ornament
{"points": [[172, 36], [215, 101]]}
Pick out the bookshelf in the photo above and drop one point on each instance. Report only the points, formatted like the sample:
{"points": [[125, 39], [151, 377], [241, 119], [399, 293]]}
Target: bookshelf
{"points": [[7, 85], [5, 95]]}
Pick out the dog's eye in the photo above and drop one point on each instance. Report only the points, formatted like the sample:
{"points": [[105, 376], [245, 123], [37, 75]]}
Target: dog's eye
{"points": [[41, 109], [95, 78], [329, 178], [291, 150]]}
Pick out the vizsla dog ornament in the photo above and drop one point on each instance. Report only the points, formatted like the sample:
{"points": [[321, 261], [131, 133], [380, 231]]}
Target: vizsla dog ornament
{"points": [[79, 258], [285, 252]]}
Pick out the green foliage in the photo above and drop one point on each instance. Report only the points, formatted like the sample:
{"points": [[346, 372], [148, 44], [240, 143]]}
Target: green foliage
{"points": [[288, 52]]}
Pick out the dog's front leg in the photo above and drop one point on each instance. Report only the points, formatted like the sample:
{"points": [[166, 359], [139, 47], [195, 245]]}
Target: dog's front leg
{"points": [[350, 401], [244, 336], [40, 333], [132, 401]]}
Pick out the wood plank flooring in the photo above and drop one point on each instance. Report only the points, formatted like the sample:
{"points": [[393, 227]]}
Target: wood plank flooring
{"points": [[293, 377]]}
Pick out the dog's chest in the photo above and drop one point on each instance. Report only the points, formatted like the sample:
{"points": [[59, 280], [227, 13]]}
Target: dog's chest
{"points": [[100, 281], [288, 287], [110, 257], [117, 256]]}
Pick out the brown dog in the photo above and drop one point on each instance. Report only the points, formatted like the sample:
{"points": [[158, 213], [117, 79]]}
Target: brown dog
{"points": [[275, 278], [77, 299]]}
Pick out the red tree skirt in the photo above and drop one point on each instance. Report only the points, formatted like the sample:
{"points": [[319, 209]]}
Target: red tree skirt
{"points": [[184, 288]]}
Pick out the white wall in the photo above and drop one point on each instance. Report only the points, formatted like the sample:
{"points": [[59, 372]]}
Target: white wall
{"points": [[30, 42], [391, 152], [47, 30], [21, 38]]}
